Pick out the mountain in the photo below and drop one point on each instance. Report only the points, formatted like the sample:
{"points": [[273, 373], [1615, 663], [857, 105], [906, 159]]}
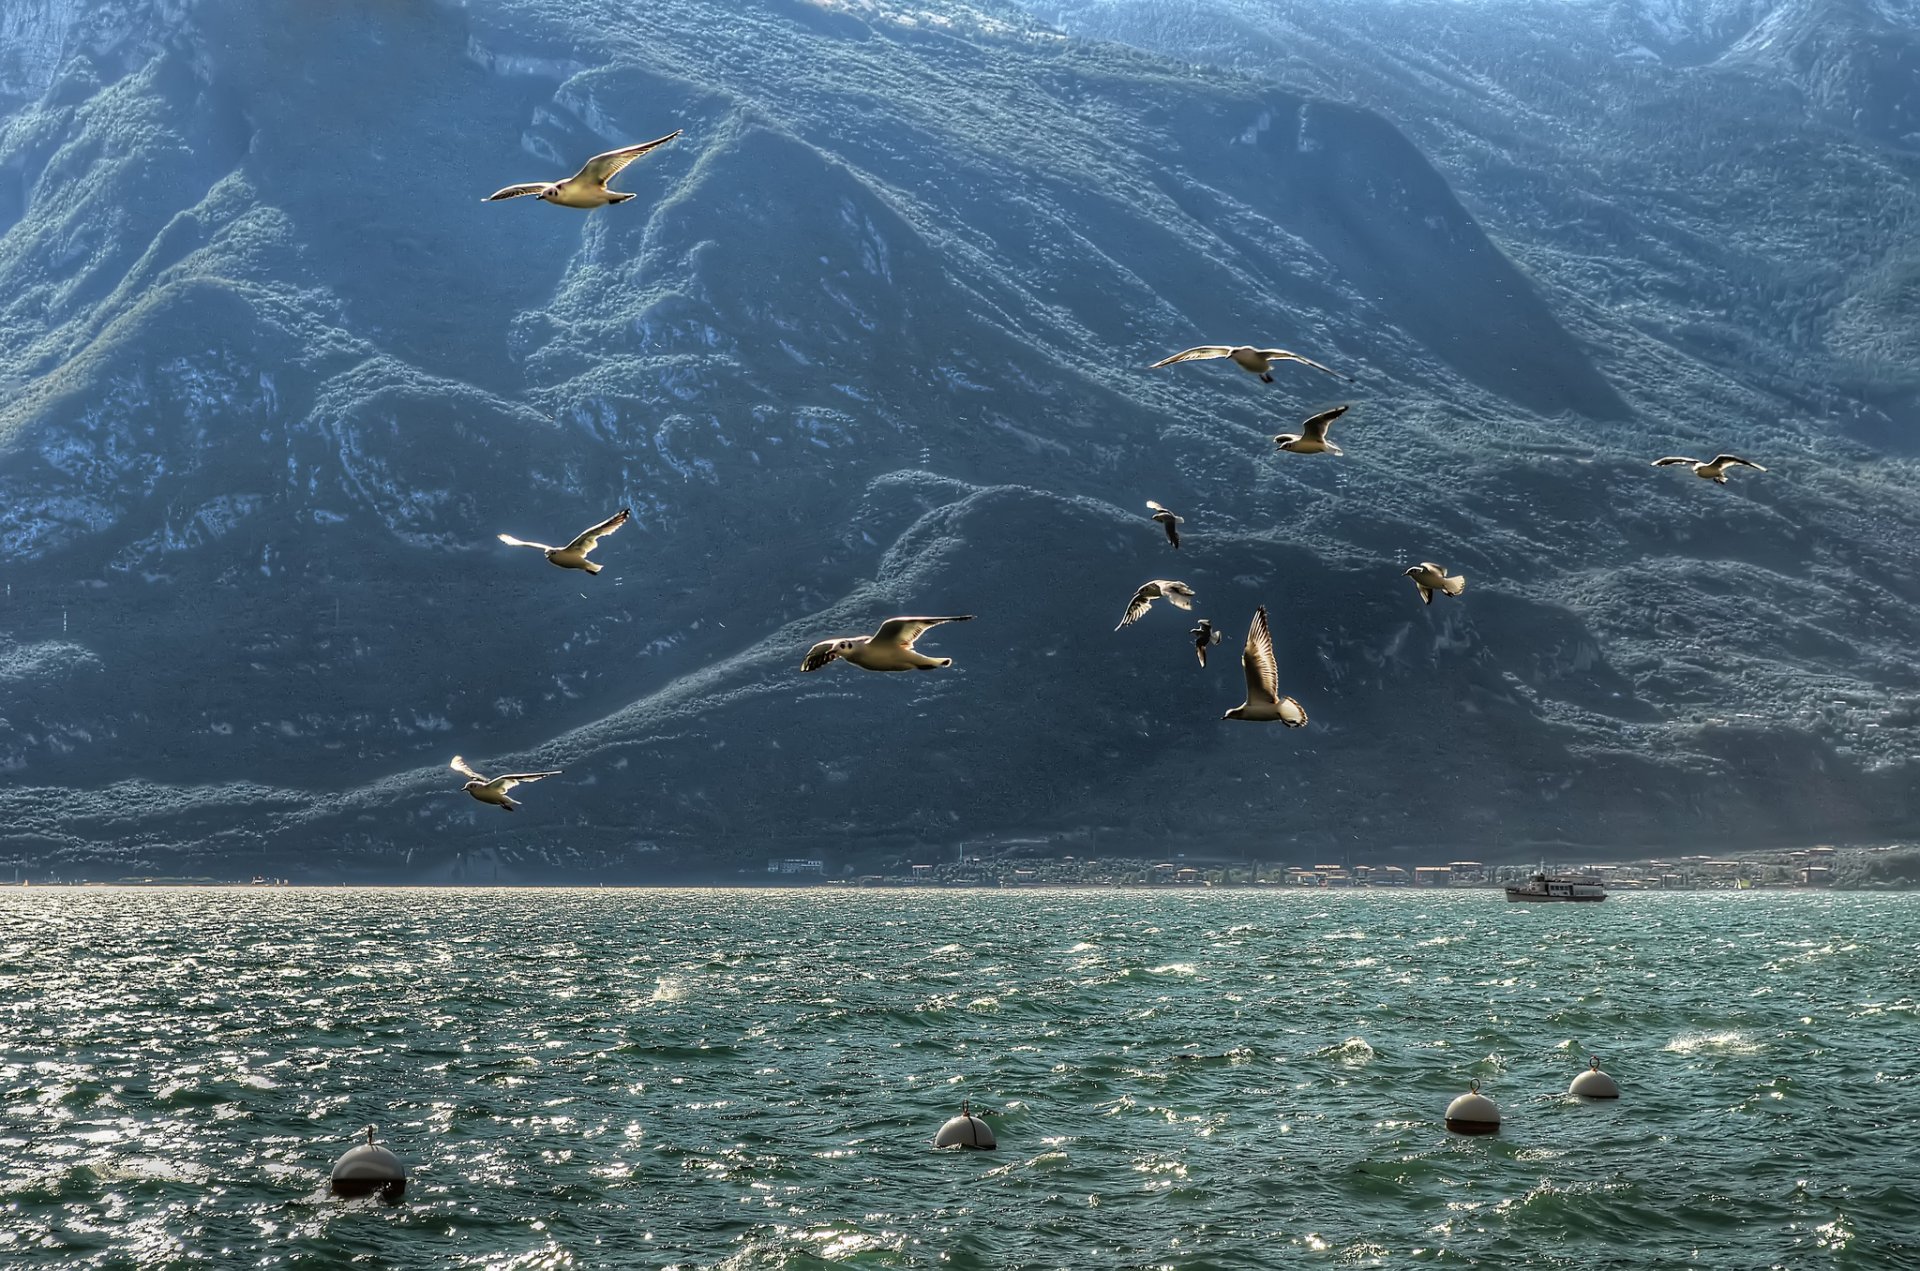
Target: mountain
{"points": [[871, 340]]}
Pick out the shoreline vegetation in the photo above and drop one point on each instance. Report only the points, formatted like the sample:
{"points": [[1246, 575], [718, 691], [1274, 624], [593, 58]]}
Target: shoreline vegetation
{"points": [[1816, 869]]}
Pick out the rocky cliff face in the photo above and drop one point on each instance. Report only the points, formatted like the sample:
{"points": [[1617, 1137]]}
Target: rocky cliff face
{"points": [[871, 340]]}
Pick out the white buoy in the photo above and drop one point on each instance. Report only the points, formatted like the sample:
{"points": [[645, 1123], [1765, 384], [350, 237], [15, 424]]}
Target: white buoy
{"points": [[1473, 1113], [366, 1169], [1594, 1084], [966, 1131]]}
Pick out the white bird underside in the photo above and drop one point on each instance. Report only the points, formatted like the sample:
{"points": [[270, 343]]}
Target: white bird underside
{"points": [[888, 649], [1172, 590], [574, 554], [588, 187], [1264, 705], [1246, 357], [494, 790], [1714, 469], [1429, 578]]}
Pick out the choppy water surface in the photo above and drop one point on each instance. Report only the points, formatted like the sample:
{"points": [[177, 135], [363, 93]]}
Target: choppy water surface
{"points": [[1218, 1079]]}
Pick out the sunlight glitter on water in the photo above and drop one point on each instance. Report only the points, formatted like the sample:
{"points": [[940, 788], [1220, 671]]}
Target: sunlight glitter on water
{"points": [[754, 1078]]}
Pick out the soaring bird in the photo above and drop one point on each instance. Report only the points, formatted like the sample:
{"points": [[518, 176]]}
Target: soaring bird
{"points": [[1247, 358], [1312, 437], [1204, 637], [587, 187], [1168, 520], [495, 791], [1715, 471], [1264, 704], [1178, 593], [574, 554], [1429, 578], [888, 649]]}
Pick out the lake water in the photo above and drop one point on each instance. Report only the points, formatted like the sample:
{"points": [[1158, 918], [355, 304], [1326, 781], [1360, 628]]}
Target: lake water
{"points": [[752, 1079]]}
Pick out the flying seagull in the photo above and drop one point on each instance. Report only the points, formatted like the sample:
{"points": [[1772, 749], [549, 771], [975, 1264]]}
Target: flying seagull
{"points": [[588, 186], [1168, 520], [1178, 593], [1247, 358], [574, 554], [1715, 471], [1312, 437], [1204, 637], [1264, 704], [495, 791], [888, 649], [1429, 578]]}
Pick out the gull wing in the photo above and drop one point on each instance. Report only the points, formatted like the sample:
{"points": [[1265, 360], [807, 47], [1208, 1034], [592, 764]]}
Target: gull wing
{"points": [[1155, 507], [1315, 426], [587, 540], [1292, 714], [602, 168], [1288, 355], [904, 631], [511, 541], [1141, 602], [1195, 354], [512, 779], [459, 765], [1179, 594], [1720, 461], [1263, 674], [515, 191], [1673, 459]]}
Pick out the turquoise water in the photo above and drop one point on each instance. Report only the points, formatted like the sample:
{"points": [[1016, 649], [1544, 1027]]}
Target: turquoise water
{"points": [[751, 1079]]}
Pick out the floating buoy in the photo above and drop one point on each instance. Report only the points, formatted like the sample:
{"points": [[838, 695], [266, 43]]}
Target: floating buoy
{"points": [[966, 1131], [1473, 1113], [1594, 1084], [366, 1169]]}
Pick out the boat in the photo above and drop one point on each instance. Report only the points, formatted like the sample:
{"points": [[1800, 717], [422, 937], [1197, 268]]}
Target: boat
{"points": [[1542, 886]]}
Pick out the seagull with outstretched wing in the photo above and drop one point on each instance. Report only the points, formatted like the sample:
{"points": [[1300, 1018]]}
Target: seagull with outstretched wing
{"points": [[1312, 437], [1264, 705], [1168, 521], [586, 188], [1172, 590], [888, 649], [1247, 358], [574, 554], [1714, 470], [495, 791]]}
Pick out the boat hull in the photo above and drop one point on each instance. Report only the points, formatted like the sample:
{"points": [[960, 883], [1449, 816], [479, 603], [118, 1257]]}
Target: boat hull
{"points": [[1516, 893]]}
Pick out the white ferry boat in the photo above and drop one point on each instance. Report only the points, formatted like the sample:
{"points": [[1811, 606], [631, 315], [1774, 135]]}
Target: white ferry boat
{"points": [[1545, 887]]}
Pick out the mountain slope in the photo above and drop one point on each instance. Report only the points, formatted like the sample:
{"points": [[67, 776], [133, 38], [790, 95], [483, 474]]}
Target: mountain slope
{"points": [[871, 340]]}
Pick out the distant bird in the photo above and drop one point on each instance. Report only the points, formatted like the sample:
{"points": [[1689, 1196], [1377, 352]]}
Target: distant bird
{"points": [[1247, 358], [574, 554], [1429, 578], [495, 791], [587, 187], [1204, 637], [1312, 437], [888, 649], [1168, 520], [1264, 704], [1715, 471]]}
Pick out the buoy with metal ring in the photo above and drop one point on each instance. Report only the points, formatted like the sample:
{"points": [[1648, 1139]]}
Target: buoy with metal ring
{"points": [[1594, 1084], [966, 1131], [368, 1168], [1473, 1113]]}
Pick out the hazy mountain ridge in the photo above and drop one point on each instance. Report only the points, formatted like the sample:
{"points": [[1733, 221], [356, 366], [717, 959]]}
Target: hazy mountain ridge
{"points": [[869, 341]]}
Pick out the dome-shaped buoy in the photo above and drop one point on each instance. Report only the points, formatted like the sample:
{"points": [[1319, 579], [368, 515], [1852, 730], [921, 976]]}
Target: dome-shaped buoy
{"points": [[368, 1168], [966, 1131], [1473, 1113], [1594, 1084]]}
